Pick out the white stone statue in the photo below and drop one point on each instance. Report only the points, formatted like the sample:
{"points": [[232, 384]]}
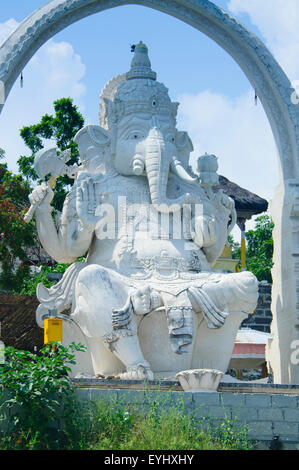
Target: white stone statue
{"points": [[146, 301]]}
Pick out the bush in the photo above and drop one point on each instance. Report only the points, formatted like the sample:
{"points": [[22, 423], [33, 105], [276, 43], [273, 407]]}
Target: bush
{"points": [[36, 393], [117, 425]]}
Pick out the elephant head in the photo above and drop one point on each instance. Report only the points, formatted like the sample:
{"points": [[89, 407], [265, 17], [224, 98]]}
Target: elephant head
{"points": [[142, 120], [138, 122], [148, 148]]}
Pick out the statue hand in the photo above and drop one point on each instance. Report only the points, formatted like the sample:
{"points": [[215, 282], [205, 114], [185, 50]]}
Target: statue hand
{"points": [[41, 195], [227, 202], [141, 300], [204, 232], [88, 198], [145, 300]]}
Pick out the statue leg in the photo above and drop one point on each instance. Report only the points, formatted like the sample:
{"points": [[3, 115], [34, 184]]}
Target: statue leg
{"points": [[234, 292], [99, 292], [230, 292]]}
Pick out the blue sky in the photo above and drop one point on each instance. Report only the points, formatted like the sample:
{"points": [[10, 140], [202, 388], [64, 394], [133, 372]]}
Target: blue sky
{"points": [[186, 60], [217, 101]]}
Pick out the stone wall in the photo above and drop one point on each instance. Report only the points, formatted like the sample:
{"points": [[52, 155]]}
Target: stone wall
{"points": [[267, 415], [262, 317]]}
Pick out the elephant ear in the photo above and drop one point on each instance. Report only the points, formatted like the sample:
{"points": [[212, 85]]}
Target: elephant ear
{"points": [[184, 146], [89, 137], [98, 135]]}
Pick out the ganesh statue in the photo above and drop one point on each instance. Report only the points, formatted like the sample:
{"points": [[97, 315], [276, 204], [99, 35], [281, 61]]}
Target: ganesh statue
{"points": [[145, 300]]}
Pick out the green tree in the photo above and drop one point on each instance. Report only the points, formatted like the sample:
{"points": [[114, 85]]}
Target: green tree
{"points": [[61, 128], [15, 234], [235, 246], [259, 249]]}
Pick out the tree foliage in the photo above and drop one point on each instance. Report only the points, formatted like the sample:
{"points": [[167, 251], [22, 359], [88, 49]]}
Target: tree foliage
{"points": [[15, 234], [61, 129], [259, 250]]}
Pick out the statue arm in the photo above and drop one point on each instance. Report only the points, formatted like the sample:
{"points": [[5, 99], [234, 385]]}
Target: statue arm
{"points": [[215, 248], [67, 243], [71, 239], [51, 239], [210, 229]]}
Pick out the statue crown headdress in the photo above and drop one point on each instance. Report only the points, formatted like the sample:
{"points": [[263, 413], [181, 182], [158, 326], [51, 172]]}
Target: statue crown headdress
{"points": [[135, 91], [141, 65]]}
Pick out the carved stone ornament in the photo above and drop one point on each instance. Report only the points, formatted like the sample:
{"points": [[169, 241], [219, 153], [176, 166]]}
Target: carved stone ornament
{"points": [[200, 380]]}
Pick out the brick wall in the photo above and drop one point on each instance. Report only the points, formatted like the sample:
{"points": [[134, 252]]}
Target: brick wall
{"points": [[266, 415], [18, 325], [261, 319]]}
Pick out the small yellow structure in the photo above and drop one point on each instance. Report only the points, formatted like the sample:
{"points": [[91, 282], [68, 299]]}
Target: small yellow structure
{"points": [[226, 262], [52, 330]]}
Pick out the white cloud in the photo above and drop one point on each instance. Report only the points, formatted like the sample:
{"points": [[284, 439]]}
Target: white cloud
{"points": [[55, 71], [238, 133], [60, 70], [278, 22]]}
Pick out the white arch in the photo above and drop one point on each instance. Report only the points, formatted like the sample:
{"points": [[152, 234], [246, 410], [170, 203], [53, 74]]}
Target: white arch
{"points": [[266, 76]]}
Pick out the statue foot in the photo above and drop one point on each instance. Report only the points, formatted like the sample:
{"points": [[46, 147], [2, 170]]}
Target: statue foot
{"points": [[137, 372]]}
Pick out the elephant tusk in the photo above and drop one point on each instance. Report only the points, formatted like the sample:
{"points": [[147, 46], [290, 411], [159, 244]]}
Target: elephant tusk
{"points": [[179, 170], [138, 165]]}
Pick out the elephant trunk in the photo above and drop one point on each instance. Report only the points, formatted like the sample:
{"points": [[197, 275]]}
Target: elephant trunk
{"points": [[157, 165]]}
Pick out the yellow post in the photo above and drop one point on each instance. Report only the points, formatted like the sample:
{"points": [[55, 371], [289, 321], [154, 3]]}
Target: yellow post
{"points": [[241, 224], [243, 251], [52, 330]]}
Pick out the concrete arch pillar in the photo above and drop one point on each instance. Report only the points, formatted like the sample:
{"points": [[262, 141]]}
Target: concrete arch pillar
{"points": [[275, 92]]}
